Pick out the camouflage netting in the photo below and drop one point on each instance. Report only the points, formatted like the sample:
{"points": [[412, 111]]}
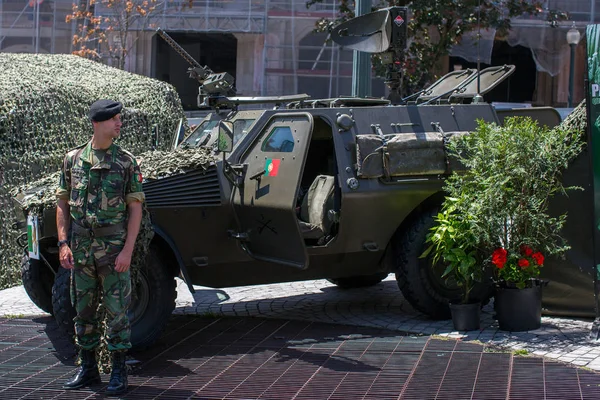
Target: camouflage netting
{"points": [[44, 100], [577, 119]]}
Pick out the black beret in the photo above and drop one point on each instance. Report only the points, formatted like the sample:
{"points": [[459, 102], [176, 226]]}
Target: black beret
{"points": [[103, 110]]}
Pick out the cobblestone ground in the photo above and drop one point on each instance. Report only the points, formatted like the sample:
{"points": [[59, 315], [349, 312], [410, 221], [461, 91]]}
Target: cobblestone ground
{"points": [[381, 306]]}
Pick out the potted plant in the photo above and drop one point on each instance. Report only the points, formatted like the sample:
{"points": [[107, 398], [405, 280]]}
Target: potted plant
{"points": [[452, 243], [518, 298], [511, 172]]}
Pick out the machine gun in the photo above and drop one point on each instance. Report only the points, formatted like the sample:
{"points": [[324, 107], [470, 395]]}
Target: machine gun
{"points": [[212, 85], [216, 90]]}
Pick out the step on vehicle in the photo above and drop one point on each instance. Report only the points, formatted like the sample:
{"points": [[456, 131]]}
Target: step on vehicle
{"points": [[343, 189]]}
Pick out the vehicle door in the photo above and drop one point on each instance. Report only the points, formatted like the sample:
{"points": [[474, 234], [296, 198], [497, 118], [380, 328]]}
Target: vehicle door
{"points": [[265, 203]]}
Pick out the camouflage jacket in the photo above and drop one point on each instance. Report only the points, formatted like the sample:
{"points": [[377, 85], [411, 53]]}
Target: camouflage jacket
{"points": [[98, 194]]}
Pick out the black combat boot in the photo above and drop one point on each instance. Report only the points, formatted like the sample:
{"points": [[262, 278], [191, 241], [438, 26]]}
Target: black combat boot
{"points": [[118, 376], [87, 373]]}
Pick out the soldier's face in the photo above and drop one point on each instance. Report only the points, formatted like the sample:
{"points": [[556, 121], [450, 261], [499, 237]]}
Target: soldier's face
{"points": [[110, 128]]}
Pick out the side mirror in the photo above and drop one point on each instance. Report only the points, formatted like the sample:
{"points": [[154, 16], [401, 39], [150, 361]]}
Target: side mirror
{"points": [[225, 141]]}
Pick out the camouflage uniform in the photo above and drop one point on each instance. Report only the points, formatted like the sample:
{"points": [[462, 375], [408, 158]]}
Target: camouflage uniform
{"points": [[98, 194]]}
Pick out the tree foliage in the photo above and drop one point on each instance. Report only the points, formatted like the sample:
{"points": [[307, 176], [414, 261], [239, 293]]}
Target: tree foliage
{"points": [[95, 21], [436, 25]]}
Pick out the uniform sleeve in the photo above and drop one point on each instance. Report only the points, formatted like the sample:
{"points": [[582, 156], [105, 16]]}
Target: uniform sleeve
{"points": [[133, 191], [64, 181]]}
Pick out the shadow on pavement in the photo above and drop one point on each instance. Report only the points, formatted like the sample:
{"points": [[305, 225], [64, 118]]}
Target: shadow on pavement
{"points": [[63, 349], [252, 358]]}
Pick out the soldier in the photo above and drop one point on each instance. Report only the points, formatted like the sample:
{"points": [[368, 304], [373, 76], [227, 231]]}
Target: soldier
{"points": [[100, 199]]}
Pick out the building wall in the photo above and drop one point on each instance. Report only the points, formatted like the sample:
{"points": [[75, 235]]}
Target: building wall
{"points": [[275, 43]]}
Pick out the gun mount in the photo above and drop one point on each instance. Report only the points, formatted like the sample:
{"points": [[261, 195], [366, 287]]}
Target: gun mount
{"points": [[212, 85], [217, 90]]}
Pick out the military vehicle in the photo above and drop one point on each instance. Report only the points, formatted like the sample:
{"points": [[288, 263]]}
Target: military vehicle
{"points": [[343, 189]]}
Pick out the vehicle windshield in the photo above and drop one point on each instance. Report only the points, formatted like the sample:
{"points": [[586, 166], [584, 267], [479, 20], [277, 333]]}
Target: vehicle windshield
{"points": [[206, 133], [201, 134]]}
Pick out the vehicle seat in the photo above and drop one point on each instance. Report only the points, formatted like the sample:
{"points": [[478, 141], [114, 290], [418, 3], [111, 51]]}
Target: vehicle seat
{"points": [[314, 221]]}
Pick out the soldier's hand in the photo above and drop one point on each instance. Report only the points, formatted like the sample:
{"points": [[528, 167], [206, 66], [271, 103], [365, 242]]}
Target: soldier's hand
{"points": [[65, 256], [123, 261]]}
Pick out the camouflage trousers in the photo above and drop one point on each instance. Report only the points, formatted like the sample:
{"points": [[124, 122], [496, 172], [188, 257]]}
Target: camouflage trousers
{"points": [[95, 281]]}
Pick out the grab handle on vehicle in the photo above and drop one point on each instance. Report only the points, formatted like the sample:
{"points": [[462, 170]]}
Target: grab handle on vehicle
{"points": [[371, 246], [257, 175]]}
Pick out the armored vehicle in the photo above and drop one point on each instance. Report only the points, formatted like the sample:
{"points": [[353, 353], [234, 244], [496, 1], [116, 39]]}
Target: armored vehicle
{"points": [[343, 189]]}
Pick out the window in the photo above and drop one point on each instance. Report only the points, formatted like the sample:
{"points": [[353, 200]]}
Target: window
{"points": [[206, 132], [199, 136], [241, 128], [280, 140]]}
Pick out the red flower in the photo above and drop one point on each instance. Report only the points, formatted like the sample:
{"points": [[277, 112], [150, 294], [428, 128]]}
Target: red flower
{"points": [[523, 263], [538, 257], [526, 250], [499, 257]]}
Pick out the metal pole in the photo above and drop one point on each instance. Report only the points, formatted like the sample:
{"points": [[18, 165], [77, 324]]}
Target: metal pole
{"points": [[478, 98], [361, 62], [37, 26], [571, 75]]}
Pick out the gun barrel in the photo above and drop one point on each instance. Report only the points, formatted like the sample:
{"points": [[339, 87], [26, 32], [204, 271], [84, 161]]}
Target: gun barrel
{"points": [[178, 48]]}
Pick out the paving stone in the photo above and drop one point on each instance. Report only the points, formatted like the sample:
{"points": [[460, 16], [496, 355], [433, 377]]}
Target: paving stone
{"points": [[383, 306]]}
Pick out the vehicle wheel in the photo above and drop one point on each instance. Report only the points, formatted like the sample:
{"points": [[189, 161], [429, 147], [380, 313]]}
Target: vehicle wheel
{"points": [[420, 282], [37, 281], [151, 304], [153, 301], [354, 282], [64, 312]]}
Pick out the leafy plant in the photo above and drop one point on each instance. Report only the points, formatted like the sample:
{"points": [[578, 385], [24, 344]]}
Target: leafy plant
{"points": [[511, 173], [453, 244]]}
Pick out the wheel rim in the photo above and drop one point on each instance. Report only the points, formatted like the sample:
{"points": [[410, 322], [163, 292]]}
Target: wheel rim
{"points": [[140, 300], [446, 287]]}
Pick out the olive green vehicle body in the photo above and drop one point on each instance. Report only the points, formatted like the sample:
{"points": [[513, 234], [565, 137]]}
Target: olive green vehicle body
{"points": [[251, 235]]}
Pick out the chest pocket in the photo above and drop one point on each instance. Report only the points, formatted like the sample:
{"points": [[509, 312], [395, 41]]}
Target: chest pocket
{"points": [[79, 185], [112, 200]]}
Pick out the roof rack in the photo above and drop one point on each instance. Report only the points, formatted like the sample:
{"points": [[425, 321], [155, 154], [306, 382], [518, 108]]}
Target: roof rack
{"points": [[340, 102]]}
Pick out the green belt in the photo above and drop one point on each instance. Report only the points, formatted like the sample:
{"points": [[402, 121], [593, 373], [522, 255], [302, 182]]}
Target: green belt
{"points": [[97, 232]]}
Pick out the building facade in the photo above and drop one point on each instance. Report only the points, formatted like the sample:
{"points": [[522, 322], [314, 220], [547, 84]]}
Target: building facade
{"points": [[270, 46]]}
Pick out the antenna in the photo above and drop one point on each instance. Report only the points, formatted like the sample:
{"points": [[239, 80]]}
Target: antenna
{"points": [[478, 98]]}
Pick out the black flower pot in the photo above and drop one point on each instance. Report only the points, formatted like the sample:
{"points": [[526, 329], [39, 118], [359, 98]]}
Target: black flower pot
{"points": [[519, 309], [465, 317]]}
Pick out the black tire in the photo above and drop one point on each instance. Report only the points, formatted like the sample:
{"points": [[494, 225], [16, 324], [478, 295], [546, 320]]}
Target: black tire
{"points": [[420, 282], [152, 303], [64, 312], [354, 282], [37, 281]]}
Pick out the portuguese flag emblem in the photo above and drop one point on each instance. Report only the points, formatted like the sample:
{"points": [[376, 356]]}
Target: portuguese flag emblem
{"points": [[272, 166]]}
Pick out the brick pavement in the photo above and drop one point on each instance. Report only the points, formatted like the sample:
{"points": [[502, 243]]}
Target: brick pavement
{"points": [[380, 306]]}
